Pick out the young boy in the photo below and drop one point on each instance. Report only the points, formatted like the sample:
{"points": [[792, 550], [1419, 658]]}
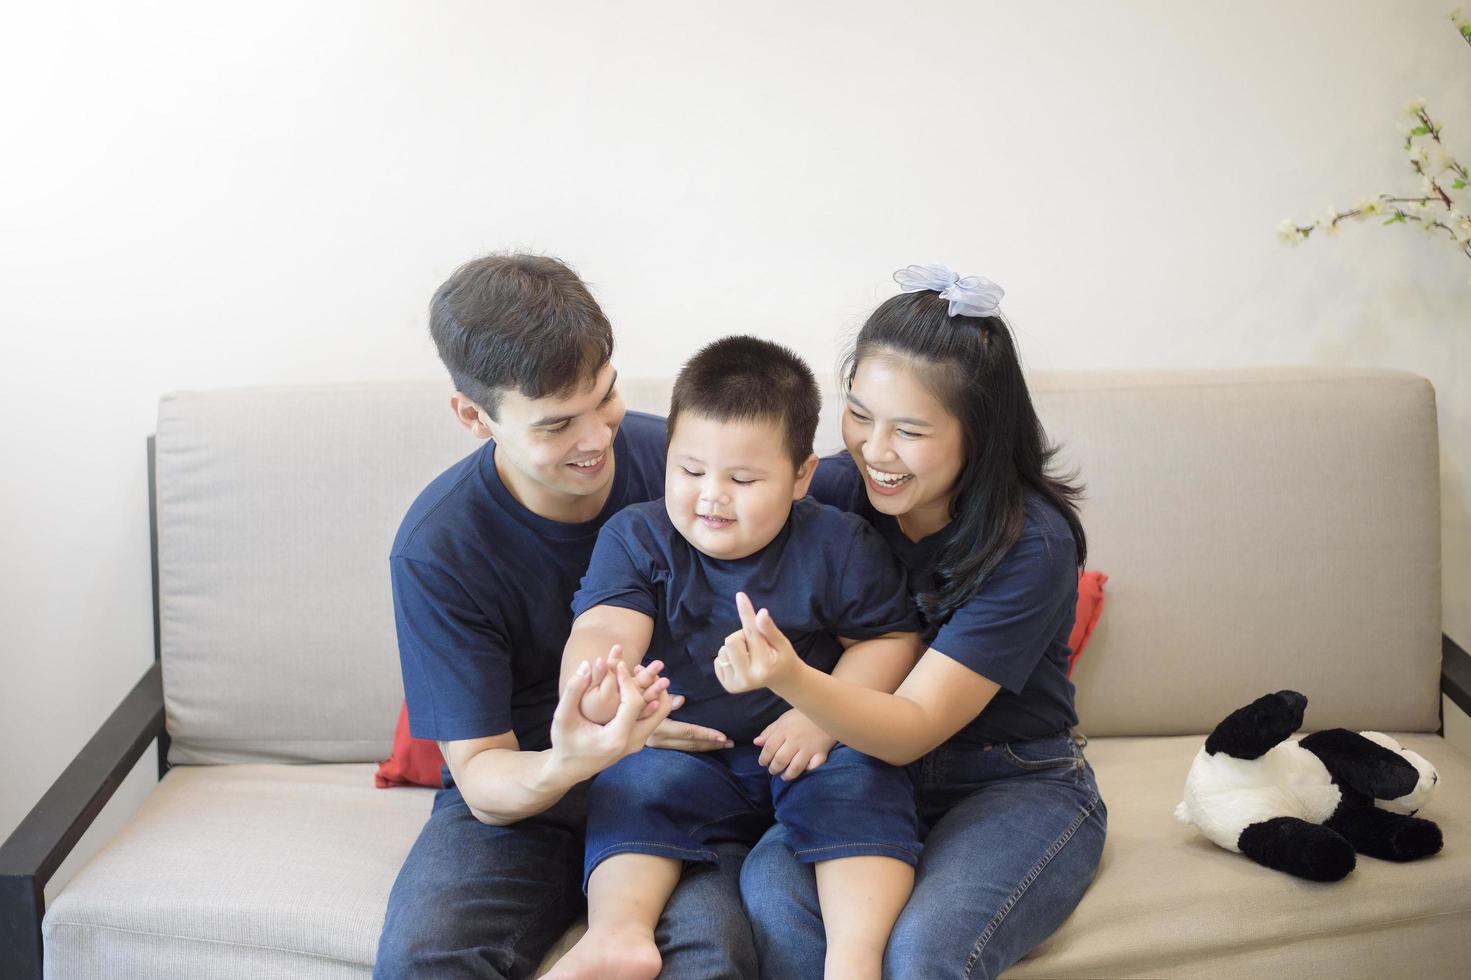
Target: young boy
{"points": [[662, 582]]}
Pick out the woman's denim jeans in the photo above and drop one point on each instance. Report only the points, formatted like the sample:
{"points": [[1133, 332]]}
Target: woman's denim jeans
{"points": [[474, 900], [1015, 834]]}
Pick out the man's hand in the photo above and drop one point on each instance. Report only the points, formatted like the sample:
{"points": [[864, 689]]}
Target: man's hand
{"points": [[755, 656], [793, 744], [684, 737], [583, 748], [600, 703]]}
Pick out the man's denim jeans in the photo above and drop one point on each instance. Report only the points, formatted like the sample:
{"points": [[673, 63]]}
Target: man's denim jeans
{"points": [[1015, 834], [474, 900]]}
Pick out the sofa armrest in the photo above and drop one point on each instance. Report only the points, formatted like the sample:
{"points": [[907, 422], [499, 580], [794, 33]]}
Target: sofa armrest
{"points": [[31, 855], [1455, 673]]}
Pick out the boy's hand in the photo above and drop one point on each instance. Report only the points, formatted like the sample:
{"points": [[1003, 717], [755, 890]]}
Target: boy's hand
{"points": [[793, 744], [600, 703], [755, 656]]}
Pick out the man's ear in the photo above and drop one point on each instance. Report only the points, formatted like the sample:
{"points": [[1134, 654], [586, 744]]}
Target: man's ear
{"points": [[471, 416], [805, 473]]}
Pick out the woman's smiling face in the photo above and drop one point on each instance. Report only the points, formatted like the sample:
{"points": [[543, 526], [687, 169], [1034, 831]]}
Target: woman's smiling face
{"points": [[908, 446]]}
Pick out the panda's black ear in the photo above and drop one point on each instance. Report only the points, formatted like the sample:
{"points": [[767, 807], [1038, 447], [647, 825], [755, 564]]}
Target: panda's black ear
{"points": [[1363, 765], [1249, 732]]}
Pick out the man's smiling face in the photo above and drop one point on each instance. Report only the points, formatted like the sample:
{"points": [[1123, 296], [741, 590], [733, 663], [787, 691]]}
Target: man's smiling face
{"points": [[556, 453]]}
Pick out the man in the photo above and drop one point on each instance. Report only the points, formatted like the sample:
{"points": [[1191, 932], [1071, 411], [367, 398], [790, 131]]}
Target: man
{"points": [[484, 568]]}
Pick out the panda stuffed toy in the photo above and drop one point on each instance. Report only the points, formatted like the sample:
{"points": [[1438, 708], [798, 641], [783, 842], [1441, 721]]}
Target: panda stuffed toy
{"points": [[1306, 806]]}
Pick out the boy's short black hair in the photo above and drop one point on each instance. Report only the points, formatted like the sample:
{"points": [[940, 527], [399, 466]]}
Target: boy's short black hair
{"points": [[747, 378], [516, 322]]}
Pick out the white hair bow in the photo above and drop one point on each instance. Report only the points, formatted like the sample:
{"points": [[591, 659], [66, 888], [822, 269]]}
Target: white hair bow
{"points": [[971, 296]]}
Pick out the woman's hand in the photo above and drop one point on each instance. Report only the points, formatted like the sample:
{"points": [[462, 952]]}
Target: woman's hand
{"points": [[755, 656], [684, 737], [793, 744]]}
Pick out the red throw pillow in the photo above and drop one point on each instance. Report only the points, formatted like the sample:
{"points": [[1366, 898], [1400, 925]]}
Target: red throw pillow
{"points": [[413, 761], [416, 761], [1090, 607]]}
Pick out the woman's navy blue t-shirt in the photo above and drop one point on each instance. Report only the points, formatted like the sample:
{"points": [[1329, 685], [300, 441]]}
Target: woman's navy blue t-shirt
{"points": [[482, 592], [825, 575], [1013, 631]]}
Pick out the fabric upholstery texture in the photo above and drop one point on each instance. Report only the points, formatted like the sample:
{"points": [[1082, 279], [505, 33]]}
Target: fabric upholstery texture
{"points": [[240, 870]]}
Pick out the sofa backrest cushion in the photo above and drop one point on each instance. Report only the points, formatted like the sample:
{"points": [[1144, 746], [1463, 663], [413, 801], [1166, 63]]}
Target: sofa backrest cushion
{"points": [[1261, 529]]}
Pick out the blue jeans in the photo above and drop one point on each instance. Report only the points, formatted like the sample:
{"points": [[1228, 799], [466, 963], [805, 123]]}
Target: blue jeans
{"points": [[680, 804], [1015, 834], [474, 900]]}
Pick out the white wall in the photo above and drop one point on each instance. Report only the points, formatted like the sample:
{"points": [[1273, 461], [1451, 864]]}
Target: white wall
{"points": [[195, 195]]}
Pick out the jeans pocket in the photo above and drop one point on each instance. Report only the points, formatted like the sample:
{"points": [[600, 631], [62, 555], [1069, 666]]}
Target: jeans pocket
{"points": [[1043, 753]]}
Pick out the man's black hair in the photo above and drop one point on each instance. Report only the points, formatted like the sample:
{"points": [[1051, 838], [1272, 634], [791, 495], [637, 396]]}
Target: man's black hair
{"points": [[515, 322]]}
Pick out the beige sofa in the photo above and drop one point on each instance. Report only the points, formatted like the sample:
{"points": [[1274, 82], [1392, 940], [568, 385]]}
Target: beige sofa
{"points": [[1261, 529]]}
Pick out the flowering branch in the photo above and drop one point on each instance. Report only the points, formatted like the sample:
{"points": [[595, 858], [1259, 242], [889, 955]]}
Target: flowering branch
{"points": [[1434, 210]]}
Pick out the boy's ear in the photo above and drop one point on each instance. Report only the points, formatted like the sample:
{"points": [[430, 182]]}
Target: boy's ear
{"points": [[805, 473], [471, 416]]}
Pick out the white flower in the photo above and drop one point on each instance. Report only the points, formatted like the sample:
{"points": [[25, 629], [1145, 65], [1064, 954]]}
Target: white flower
{"points": [[1288, 233], [1460, 226], [1458, 18], [1371, 206], [1428, 188], [1418, 154], [1437, 160], [1329, 223], [1418, 209], [1414, 107]]}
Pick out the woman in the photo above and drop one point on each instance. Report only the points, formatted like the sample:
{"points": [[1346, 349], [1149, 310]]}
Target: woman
{"points": [[947, 459]]}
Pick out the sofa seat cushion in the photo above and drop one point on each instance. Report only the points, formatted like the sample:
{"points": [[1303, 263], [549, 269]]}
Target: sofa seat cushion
{"points": [[284, 871], [243, 870], [1167, 902]]}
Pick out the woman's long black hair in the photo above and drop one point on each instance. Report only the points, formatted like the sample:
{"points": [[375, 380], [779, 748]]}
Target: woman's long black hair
{"points": [[970, 364]]}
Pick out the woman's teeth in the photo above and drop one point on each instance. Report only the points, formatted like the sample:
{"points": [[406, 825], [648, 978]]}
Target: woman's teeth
{"points": [[887, 479], [588, 464]]}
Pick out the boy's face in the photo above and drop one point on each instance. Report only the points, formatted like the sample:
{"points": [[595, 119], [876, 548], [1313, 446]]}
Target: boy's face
{"points": [[556, 453], [729, 486]]}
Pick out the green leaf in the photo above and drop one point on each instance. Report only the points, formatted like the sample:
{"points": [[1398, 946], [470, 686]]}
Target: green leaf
{"points": [[1420, 131], [1398, 219], [1458, 185]]}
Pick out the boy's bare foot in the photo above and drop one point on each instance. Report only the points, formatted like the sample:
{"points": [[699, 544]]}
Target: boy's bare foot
{"points": [[610, 954]]}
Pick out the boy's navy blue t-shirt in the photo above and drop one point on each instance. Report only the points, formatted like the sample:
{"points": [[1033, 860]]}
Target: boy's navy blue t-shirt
{"points": [[827, 574], [1013, 631], [482, 592]]}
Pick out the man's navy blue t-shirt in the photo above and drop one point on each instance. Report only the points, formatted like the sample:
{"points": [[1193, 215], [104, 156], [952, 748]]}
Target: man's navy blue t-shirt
{"points": [[482, 592], [825, 575], [1013, 631]]}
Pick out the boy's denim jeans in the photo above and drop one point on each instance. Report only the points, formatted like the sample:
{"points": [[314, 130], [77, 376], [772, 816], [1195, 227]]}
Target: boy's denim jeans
{"points": [[474, 900], [680, 805], [1015, 834]]}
